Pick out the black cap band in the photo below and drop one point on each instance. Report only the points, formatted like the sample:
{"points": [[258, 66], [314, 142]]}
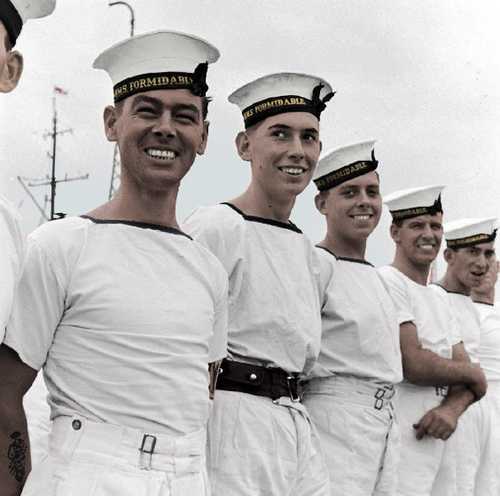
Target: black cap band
{"points": [[11, 20], [409, 213], [288, 103], [476, 239], [194, 82]]}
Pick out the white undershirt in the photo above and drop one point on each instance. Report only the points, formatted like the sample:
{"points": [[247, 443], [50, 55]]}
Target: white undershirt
{"points": [[11, 259], [124, 320], [274, 311], [467, 317], [360, 324], [429, 310]]}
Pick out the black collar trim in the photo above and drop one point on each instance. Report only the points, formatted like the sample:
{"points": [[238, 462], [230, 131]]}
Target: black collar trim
{"points": [[252, 218], [485, 303], [346, 259], [448, 291], [142, 225]]}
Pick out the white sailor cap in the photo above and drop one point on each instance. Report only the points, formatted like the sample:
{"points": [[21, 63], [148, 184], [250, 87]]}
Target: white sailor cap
{"points": [[279, 93], [158, 60], [342, 164], [469, 232], [14, 13], [408, 203]]}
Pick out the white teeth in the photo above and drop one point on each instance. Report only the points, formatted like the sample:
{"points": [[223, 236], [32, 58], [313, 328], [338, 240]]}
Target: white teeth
{"points": [[294, 171], [426, 247], [362, 217], [161, 154]]}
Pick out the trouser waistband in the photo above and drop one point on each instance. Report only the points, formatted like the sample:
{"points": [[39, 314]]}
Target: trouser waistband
{"points": [[77, 436], [370, 393]]}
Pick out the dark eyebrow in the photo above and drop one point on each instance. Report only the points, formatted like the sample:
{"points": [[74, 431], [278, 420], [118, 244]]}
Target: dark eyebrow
{"points": [[284, 126], [145, 99], [187, 106]]}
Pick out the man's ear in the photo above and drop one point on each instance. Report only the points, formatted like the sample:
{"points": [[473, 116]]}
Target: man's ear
{"points": [[449, 256], [243, 146], [204, 139], [320, 202], [11, 73], [395, 230], [110, 117]]}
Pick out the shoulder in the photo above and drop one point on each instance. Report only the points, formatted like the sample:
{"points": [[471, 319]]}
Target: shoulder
{"points": [[215, 217], [61, 236]]}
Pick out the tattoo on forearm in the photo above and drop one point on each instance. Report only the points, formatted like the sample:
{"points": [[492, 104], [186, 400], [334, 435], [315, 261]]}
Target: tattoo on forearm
{"points": [[17, 456]]}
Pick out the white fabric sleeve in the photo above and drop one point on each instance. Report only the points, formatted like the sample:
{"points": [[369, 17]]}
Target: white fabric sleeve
{"points": [[400, 295], [219, 232], [455, 334], [11, 261], [218, 343], [38, 308]]}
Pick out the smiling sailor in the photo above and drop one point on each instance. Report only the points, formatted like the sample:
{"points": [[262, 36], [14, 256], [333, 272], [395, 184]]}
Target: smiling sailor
{"points": [[433, 354], [349, 395], [122, 309], [260, 436], [469, 253], [13, 15]]}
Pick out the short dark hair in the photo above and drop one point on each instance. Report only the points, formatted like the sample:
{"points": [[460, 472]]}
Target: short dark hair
{"points": [[205, 100]]}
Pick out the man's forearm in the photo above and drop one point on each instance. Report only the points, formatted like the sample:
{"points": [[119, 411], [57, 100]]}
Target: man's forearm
{"points": [[15, 461], [426, 368], [459, 398]]}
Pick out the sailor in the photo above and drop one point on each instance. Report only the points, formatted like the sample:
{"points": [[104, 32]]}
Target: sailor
{"points": [[260, 437], [349, 395], [433, 354], [469, 253], [488, 441], [13, 15], [122, 309]]}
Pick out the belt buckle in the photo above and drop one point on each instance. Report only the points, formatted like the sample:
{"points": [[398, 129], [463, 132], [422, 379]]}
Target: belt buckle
{"points": [[148, 444], [293, 388]]}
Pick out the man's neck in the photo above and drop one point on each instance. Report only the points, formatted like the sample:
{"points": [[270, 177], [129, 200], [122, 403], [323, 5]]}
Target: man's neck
{"points": [[155, 207], [451, 283], [255, 202], [418, 273], [345, 248]]}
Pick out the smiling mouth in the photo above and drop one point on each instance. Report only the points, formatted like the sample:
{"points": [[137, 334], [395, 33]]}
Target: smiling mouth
{"points": [[478, 274], [362, 216], [426, 246], [158, 154], [292, 171]]}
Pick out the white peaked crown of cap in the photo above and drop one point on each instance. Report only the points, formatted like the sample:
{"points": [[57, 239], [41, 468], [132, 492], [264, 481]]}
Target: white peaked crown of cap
{"points": [[33, 9], [155, 53], [423, 196], [334, 160], [280, 93], [276, 85], [463, 228]]}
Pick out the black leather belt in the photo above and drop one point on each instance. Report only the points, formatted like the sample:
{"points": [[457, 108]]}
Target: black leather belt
{"points": [[261, 381]]}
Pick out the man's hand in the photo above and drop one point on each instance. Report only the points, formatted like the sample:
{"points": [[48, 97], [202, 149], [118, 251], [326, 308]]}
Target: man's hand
{"points": [[440, 423]]}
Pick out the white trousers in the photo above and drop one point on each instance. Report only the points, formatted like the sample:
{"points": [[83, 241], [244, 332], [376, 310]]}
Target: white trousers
{"points": [[257, 447], [98, 459], [423, 469], [358, 433], [478, 443]]}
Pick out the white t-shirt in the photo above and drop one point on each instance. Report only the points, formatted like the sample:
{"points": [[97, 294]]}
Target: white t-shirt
{"points": [[489, 349], [360, 324], [274, 311], [467, 317], [11, 259], [124, 318], [429, 310]]}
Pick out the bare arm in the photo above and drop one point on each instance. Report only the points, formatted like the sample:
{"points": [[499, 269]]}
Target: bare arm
{"points": [[426, 368], [440, 422], [15, 463]]}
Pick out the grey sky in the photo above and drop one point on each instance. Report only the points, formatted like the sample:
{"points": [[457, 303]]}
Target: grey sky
{"points": [[420, 77]]}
